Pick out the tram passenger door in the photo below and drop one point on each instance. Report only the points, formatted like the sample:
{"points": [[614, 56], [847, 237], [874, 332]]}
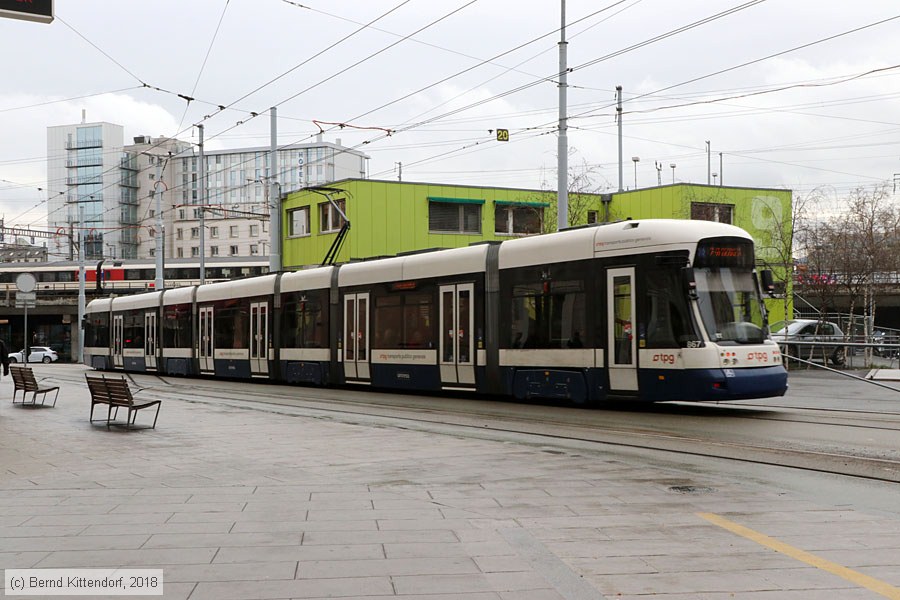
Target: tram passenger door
{"points": [[356, 338], [205, 341], [621, 356], [259, 338], [457, 344], [118, 336], [150, 339]]}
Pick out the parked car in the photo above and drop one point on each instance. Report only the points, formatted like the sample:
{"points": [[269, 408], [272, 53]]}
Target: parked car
{"points": [[827, 336], [38, 354], [885, 337]]}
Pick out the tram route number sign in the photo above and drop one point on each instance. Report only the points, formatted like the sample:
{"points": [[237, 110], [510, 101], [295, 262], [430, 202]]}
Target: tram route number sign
{"points": [[40, 11], [503, 135]]}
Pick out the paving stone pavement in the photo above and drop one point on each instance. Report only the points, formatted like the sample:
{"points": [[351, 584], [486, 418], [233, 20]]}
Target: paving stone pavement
{"points": [[243, 503]]}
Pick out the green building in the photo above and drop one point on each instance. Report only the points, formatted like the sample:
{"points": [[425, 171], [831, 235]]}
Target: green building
{"points": [[390, 217]]}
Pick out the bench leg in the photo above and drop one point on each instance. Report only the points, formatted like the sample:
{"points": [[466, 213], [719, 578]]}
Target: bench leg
{"points": [[156, 416]]}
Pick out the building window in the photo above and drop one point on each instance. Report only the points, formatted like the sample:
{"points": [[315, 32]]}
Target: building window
{"points": [[214, 232], [254, 230], [298, 220], [233, 231], [254, 249], [181, 213], [233, 250], [710, 211], [518, 220], [195, 251], [180, 252], [179, 234], [213, 250], [453, 217], [330, 219], [592, 216], [197, 213], [152, 213], [195, 233], [152, 251]]}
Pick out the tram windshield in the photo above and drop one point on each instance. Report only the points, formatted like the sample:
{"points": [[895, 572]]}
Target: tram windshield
{"points": [[730, 305], [727, 294]]}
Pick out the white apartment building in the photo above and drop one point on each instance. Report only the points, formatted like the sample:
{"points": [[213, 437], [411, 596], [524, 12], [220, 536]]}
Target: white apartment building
{"points": [[114, 188], [238, 203], [85, 183]]}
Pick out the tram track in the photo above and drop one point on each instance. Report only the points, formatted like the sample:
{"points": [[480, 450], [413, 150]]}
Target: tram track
{"points": [[550, 424]]}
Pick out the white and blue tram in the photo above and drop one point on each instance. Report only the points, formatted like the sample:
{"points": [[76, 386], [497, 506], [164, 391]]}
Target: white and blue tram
{"points": [[652, 310]]}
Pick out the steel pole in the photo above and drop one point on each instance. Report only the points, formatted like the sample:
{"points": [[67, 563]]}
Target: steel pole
{"points": [[81, 300], [562, 163], [158, 284], [274, 201], [202, 178]]}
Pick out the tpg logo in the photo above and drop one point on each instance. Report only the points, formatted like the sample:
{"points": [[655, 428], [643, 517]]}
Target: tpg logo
{"points": [[760, 356], [666, 359]]}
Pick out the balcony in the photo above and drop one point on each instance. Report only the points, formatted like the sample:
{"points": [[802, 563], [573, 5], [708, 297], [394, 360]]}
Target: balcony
{"points": [[84, 162], [79, 145]]}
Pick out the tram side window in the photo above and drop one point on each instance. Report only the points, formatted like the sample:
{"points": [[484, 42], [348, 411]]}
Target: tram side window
{"points": [[96, 331], [177, 326], [547, 314], [404, 320], [666, 310], [232, 324], [133, 329], [305, 319]]}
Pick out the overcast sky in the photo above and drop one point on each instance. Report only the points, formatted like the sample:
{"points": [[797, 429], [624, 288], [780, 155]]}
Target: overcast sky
{"points": [[823, 114]]}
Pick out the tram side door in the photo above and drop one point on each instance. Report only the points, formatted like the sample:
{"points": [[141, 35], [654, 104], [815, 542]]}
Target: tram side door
{"points": [[118, 337], [150, 339], [205, 340], [259, 338], [621, 356], [457, 344], [356, 338]]}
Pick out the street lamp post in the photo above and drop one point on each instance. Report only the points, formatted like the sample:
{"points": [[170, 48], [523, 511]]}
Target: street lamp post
{"points": [[636, 160], [81, 298], [672, 166]]}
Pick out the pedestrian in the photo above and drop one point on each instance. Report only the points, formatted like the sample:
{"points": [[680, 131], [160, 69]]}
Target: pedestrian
{"points": [[4, 357]]}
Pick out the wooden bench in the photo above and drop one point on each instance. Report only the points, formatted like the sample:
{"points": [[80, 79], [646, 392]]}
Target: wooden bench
{"points": [[115, 393], [24, 381]]}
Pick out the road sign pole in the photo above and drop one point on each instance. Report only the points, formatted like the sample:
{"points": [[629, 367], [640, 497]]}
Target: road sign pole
{"points": [[26, 284], [26, 352]]}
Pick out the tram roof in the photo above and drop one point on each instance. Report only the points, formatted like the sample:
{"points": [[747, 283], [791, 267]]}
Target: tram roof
{"points": [[146, 300], [470, 259], [240, 288], [618, 238], [308, 279]]}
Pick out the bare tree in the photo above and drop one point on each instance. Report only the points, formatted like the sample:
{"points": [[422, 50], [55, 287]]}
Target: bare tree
{"points": [[776, 243], [585, 184], [851, 252]]}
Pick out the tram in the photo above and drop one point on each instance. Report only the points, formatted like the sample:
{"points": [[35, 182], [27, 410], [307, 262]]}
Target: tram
{"points": [[649, 310]]}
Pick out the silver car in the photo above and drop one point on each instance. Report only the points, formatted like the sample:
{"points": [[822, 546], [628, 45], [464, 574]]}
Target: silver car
{"points": [[38, 354], [817, 340]]}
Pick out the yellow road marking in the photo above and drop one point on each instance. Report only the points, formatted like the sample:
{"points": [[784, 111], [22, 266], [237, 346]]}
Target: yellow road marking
{"points": [[877, 586]]}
